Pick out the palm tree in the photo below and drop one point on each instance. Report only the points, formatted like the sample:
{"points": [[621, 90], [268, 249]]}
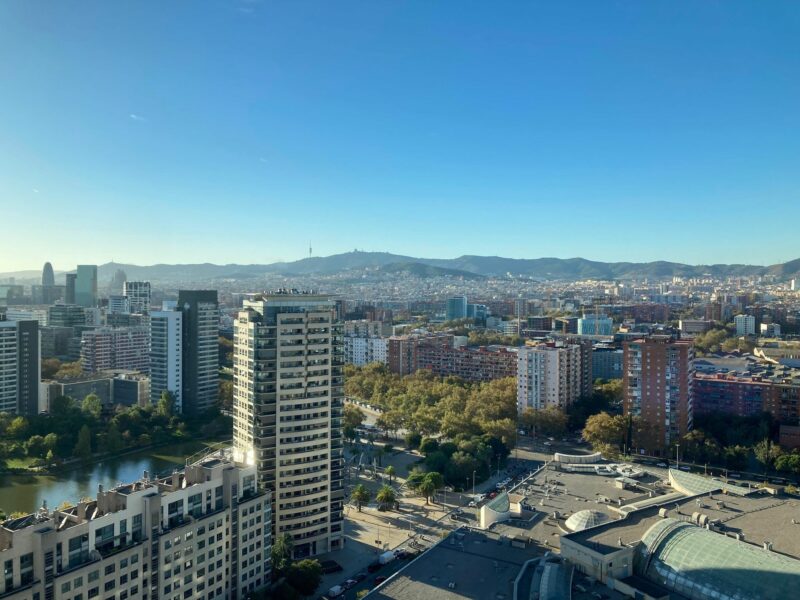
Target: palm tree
{"points": [[386, 496], [390, 471], [436, 480], [426, 489], [360, 495]]}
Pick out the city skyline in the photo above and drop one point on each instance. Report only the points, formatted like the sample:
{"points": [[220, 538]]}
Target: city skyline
{"points": [[610, 128]]}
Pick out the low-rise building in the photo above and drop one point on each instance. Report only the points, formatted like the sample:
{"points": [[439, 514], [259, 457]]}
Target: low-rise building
{"points": [[203, 532]]}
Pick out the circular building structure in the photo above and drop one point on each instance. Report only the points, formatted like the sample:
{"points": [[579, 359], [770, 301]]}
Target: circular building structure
{"points": [[704, 565], [585, 519]]}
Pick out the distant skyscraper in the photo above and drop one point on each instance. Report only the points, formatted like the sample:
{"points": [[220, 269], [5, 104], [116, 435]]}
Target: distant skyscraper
{"points": [[86, 286], [48, 277], [657, 378], [138, 294], [456, 308], [200, 349], [288, 403], [69, 288], [20, 367], [117, 282], [118, 304], [166, 356]]}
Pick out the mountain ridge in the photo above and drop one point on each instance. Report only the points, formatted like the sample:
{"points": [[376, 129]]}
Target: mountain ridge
{"points": [[463, 266]]}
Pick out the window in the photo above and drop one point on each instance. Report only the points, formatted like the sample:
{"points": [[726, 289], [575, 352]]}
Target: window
{"points": [[94, 576], [26, 568], [77, 582], [65, 587], [104, 535], [94, 592], [110, 569]]}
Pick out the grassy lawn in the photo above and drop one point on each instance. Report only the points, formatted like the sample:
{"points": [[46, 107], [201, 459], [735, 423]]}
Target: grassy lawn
{"points": [[18, 463]]}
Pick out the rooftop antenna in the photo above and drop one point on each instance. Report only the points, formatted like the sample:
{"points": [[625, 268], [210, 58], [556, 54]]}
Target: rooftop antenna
{"points": [[309, 249]]}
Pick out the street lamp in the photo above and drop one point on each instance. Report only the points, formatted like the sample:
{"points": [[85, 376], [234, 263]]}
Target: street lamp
{"points": [[473, 483], [677, 456]]}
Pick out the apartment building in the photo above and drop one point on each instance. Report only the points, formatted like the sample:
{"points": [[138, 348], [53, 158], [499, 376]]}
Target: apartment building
{"points": [[745, 324], [166, 356], [287, 407], [470, 364], [364, 328], [658, 383], [138, 294], [548, 376], [361, 351], [401, 354], [201, 533], [200, 378], [107, 348], [20, 367]]}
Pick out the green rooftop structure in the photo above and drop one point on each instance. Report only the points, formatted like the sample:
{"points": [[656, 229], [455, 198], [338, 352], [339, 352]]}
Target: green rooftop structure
{"points": [[704, 565]]}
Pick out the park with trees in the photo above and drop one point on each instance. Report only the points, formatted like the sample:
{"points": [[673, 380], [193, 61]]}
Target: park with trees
{"points": [[83, 430]]}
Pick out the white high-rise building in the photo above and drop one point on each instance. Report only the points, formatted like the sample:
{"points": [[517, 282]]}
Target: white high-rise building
{"points": [[548, 376], [166, 356], [287, 412], [361, 351], [138, 294], [745, 324]]}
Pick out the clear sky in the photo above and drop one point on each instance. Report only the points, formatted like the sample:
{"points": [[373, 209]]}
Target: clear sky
{"points": [[241, 130]]}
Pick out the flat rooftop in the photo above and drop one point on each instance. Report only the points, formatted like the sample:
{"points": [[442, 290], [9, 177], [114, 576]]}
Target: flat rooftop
{"points": [[478, 565], [756, 518]]}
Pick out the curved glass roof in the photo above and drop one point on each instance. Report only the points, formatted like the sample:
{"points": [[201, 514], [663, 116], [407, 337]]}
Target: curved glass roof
{"points": [[584, 519], [691, 484], [499, 503], [704, 565]]}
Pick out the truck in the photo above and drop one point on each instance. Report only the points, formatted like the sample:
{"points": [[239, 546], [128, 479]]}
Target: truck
{"points": [[335, 591], [386, 557]]}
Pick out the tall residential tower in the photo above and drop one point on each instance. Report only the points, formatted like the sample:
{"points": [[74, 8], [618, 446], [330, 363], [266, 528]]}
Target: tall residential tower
{"points": [[200, 349], [287, 406]]}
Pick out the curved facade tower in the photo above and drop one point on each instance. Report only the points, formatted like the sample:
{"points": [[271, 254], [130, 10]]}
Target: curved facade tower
{"points": [[48, 278]]}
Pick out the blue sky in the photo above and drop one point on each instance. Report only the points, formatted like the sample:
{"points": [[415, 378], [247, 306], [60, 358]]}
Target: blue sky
{"points": [[238, 131]]}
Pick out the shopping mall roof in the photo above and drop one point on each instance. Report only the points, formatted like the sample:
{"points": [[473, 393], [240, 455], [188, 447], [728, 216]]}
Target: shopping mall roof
{"points": [[703, 564]]}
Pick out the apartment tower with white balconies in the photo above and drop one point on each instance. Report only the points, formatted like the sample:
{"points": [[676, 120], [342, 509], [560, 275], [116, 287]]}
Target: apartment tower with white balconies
{"points": [[287, 407]]}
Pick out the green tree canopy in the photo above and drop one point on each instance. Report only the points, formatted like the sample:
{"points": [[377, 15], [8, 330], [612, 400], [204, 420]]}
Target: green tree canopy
{"points": [[360, 495]]}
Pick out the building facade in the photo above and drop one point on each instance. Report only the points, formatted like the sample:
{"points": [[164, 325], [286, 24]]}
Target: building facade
{"points": [[138, 294], [202, 533], [595, 325], [287, 407], [361, 351], [548, 376], [470, 364], [107, 348], [200, 349], [607, 363], [456, 308], [745, 324], [166, 356], [20, 367], [658, 384], [86, 286]]}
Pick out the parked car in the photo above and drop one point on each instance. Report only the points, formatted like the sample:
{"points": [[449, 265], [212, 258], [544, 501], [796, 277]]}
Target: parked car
{"points": [[360, 577], [376, 566], [379, 580], [663, 465], [349, 583], [472, 504]]}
